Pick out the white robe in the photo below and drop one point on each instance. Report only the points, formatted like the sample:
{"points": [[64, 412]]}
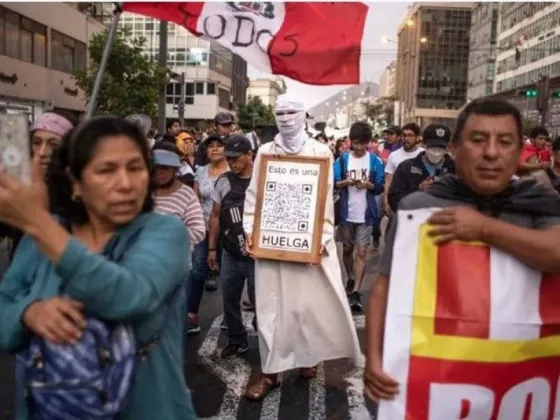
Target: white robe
{"points": [[302, 311]]}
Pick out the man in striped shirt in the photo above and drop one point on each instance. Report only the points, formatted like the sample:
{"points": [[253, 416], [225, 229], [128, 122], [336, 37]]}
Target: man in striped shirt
{"points": [[174, 198]]}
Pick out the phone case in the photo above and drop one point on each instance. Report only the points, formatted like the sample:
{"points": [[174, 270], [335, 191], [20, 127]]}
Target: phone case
{"points": [[15, 153]]}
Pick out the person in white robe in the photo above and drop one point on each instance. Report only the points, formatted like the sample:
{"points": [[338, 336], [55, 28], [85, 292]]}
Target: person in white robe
{"points": [[302, 311]]}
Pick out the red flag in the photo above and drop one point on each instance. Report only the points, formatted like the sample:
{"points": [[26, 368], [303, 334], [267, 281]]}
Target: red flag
{"points": [[315, 43]]}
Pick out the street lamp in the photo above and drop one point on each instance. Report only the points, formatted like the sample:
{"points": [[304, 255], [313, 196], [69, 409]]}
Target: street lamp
{"points": [[423, 40], [409, 22]]}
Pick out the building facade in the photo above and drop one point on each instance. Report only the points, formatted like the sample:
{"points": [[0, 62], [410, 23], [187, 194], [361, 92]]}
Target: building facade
{"points": [[215, 77], [387, 81], [345, 107], [528, 49], [483, 49], [266, 89], [432, 62], [41, 45], [528, 44]]}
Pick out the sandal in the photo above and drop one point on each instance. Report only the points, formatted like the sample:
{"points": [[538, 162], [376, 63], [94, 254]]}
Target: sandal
{"points": [[308, 373], [260, 386]]}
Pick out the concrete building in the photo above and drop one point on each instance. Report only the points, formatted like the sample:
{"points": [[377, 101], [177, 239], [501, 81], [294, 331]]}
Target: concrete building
{"points": [[41, 45], [345, 107], [387, 81], [215, 79], [529, 48], [432, 62], [528, 43], [482, 52], [266, 89]]}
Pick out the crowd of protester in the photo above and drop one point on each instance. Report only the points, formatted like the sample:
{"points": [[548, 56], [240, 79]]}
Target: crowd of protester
{"points": [[90, 239]]}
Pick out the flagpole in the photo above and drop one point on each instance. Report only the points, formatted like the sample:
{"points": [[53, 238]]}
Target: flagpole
{"points": [[104, 59]]}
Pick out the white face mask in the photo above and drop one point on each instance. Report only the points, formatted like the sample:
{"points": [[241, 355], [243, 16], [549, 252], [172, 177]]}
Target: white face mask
{"points": [[291, 123], [435, 155]]}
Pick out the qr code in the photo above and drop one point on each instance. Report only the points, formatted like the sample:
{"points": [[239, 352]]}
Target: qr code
{"points": [[287, 207]]}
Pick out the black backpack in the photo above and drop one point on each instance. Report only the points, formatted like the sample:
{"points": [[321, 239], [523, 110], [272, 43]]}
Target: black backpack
{"points": [[231, 222]]}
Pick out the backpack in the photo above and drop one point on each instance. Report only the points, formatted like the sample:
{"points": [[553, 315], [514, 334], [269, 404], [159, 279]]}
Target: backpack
{"points": [[231, 223], [89, 380]]}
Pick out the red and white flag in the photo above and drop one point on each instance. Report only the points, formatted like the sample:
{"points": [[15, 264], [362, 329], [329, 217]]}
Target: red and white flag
{"points": [[315, 43]]}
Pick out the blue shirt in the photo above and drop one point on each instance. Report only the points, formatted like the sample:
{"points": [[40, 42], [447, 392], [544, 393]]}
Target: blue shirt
{"points": [[376, 177], [135, 291]]}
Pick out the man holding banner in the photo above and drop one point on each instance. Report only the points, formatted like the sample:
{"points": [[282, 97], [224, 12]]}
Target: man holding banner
{"points": [[469, 327]]}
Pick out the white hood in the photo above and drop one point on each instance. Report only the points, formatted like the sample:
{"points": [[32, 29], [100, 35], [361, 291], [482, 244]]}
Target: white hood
{"points": [[291, 125]]}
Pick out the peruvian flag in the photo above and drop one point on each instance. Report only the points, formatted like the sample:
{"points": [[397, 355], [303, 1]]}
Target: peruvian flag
{"points": [[315, 43]]}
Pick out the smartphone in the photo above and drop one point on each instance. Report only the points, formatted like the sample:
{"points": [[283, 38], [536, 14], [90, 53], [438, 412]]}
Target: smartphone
{"points": [[15, 153]]}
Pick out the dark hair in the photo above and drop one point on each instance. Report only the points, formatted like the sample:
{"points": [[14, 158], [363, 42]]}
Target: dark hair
{"points": [[487, 106], [360, 131], [76, 151], [170, 122], [538, 131], [167, 145], [412, 127], [169, 138]]}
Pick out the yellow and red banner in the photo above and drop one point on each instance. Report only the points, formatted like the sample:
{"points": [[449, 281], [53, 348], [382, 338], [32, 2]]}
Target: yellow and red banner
{"points": [[471, 333]]}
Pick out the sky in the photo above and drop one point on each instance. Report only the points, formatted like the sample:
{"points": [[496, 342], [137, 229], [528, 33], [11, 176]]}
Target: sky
{"points": [[378, 56]]}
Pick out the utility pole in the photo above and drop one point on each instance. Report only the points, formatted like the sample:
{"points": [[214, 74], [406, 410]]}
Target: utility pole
{"points": [[181, 104], [543, 93], [163, 64]]}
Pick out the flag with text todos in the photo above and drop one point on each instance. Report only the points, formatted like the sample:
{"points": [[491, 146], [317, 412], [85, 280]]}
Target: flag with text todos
{"points": [[471, 333], [315, 43]]}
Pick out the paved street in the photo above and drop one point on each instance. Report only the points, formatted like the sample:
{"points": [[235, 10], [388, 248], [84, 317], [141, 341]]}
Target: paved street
{"points": [[217, 385]]}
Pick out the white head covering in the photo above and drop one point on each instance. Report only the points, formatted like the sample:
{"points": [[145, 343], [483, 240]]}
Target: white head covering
{"points": [[291, 125]]}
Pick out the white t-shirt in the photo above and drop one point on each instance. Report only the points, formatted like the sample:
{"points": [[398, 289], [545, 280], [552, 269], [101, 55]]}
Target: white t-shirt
{"points": [[399, 156], [358, 168]]}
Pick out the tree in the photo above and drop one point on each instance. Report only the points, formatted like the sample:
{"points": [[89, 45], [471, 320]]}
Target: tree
{"points": [[131, 82], [382, 110], [255, 113]]}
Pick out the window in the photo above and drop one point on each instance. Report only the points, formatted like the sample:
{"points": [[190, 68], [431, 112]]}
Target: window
{"points": [[12, 34], [26, 45], [223, 98], [210, 88], [67, 53], [199, 88]]}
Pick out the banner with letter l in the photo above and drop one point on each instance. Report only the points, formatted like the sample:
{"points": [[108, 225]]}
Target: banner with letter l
{"points": [[471, 333]]}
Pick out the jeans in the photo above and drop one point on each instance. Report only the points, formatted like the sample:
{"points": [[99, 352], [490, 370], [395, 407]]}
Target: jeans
{"points": [[198, 275], [233, 273], [377, 224]]}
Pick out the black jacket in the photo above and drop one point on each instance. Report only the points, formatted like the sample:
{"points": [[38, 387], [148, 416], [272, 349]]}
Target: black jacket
{"points": [[410, 174]]}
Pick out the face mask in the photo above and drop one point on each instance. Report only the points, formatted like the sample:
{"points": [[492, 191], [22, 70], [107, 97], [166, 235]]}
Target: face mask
{"points": [[292, 131], [435, 155]]}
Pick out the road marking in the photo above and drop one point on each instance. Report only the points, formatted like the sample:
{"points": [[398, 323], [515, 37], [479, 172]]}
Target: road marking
{"points": [[357, 409], [317, 395], [235, 373]]}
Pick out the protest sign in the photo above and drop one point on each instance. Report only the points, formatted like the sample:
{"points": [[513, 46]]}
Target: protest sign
{"points": [[290, 208], [471, 333]]}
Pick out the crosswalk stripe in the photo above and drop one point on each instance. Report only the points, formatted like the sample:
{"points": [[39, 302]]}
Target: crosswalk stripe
{"points": [[235, 374]]}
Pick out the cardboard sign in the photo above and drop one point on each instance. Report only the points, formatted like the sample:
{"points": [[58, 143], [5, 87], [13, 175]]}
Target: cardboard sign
{"points": [[471, 333], [290, 208]]}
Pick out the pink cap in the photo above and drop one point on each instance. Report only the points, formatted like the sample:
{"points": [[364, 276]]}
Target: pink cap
{"points": [[53, 123]]}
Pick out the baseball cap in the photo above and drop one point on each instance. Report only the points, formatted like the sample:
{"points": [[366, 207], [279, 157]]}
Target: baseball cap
{"points": [[393, 129], [436, 135], [237, 145], [166, 158], [223, 118], [142, 121]]}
